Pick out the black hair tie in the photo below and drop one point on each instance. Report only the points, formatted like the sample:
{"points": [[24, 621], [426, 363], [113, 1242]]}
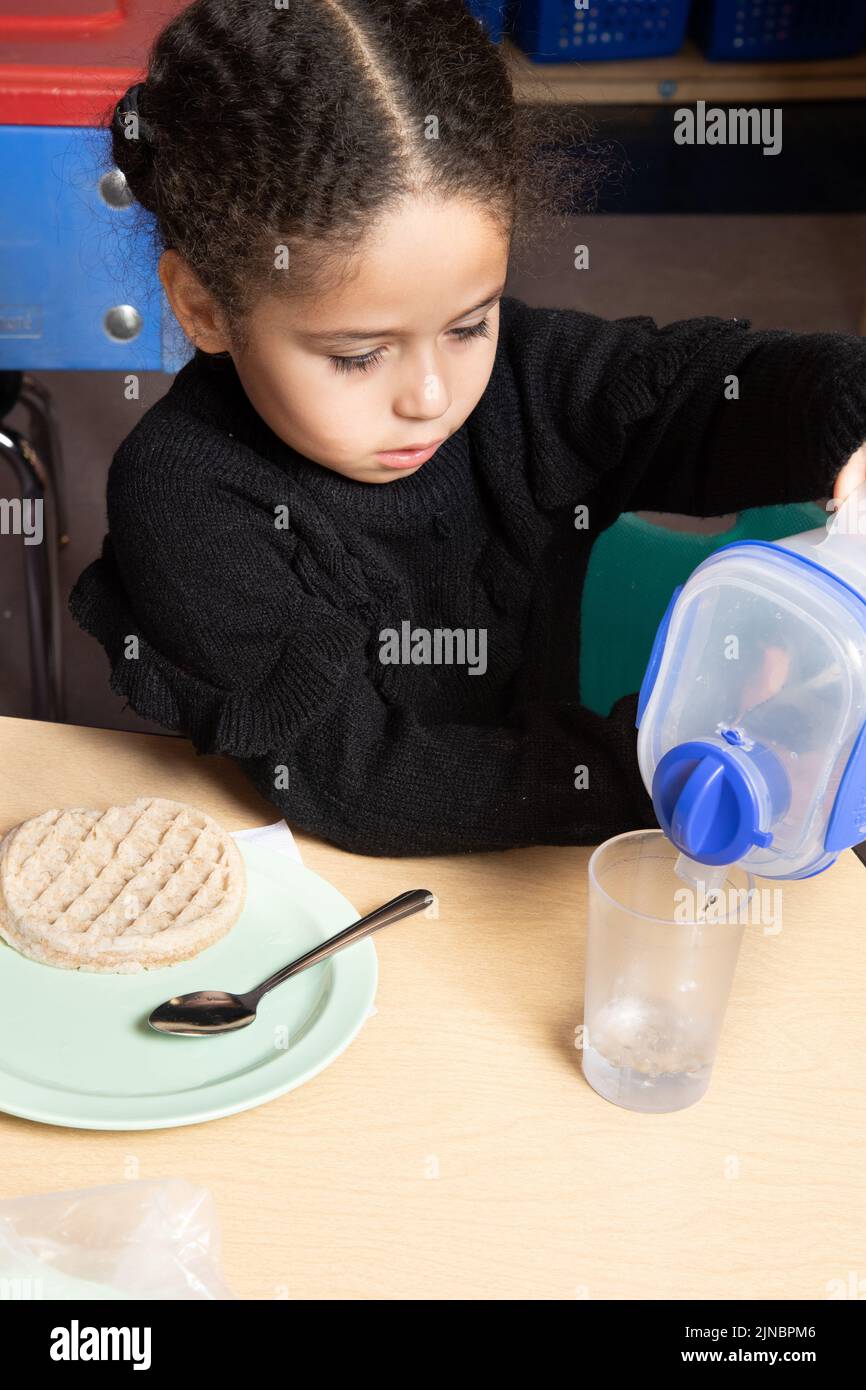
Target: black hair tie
{"points": [[129, 103]]}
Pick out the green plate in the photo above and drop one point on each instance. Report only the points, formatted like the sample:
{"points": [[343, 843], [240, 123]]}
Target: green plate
{"points": [[76, 1048]]}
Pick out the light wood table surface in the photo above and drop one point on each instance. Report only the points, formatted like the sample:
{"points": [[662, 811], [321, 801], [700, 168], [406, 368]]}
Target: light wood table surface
{"points": [[454, 1151]]}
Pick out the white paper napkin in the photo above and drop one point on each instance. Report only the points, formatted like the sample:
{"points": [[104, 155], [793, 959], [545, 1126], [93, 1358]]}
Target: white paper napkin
{"points": [[279, 837]]}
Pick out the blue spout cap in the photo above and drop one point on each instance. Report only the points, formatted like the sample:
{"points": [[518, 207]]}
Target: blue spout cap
{"points": [[707, 803]]}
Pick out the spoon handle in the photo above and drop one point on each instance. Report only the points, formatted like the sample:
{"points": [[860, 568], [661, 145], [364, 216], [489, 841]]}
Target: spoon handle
{"points": [[404, 905]]}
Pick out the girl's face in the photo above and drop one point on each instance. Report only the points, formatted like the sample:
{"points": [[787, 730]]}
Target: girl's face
{"points": [[397, 357]]}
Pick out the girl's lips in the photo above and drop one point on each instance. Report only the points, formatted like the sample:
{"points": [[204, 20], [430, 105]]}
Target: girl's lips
{"points": [[408, 458]]}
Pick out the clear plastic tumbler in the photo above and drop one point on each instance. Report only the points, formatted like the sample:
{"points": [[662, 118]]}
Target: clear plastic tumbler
{"points": [[661, 956]]}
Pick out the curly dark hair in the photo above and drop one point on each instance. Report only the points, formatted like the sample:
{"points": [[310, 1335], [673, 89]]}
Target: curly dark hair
{"points": [[299, 127]]}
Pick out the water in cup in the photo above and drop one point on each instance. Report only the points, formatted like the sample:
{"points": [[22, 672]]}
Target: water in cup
{"points": [[647, 1055]]}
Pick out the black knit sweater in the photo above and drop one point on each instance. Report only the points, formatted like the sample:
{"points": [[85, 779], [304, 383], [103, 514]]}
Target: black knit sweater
{"points": [[263, 640]]}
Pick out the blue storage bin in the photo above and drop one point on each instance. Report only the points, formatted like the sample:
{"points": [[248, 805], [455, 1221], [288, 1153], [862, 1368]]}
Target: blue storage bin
{"points": [[71, 258], [792, 29], [557, 31], [492, 15]]}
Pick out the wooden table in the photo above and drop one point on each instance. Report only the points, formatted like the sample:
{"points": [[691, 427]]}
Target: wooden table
{"points": [[454, 1151]]}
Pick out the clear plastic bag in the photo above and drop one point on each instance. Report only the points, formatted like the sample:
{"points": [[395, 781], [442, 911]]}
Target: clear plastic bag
{"points": [[148, 1239]]}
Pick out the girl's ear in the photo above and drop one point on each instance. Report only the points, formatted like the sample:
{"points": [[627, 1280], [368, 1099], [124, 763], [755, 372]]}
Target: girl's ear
{"points": [[193, 305]]}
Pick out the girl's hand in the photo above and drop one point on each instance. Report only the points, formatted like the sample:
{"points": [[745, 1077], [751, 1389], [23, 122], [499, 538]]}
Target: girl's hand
{"points": [[768, 681], [775, 661], [851, 475]]}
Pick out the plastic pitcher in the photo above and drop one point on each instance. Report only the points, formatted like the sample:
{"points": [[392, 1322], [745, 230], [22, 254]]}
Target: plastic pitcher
{"points": [[752, 711]]}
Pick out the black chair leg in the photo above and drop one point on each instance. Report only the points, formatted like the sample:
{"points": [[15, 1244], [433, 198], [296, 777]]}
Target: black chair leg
{"points": [[41, 575], [45, 436]]}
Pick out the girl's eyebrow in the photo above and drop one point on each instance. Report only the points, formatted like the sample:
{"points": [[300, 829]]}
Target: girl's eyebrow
{"points": [[361, 334]]}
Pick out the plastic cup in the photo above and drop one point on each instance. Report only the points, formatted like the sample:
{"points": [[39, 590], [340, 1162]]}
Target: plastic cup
{"points": [[660, 960]]}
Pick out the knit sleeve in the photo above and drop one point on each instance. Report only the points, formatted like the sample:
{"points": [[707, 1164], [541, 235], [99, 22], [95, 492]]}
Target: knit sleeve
{"points": [[208, 626], [210, 632], [320, 741], [373, 779], [213, 684], [702, 416]]}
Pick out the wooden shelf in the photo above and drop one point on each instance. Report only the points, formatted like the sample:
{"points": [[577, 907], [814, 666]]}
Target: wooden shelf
{"points": [[684, 77]]}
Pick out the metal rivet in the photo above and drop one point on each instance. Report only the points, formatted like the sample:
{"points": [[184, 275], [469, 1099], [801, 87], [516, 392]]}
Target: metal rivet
{"points": [[123, 322], [114, 190]]}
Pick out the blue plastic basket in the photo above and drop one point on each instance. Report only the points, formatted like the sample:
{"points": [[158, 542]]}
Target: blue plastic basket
{"points": [[491, 13], [558, 31], [793, 29]]}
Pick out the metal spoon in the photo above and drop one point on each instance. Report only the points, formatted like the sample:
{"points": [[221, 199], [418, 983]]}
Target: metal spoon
{"points": [[214, 1011]]}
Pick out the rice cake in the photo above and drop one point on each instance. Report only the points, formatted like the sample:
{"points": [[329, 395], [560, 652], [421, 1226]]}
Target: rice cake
{"points": [[132, 888]]}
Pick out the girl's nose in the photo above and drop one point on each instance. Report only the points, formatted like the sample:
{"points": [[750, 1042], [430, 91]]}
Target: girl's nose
{"points": [[424, 394]]}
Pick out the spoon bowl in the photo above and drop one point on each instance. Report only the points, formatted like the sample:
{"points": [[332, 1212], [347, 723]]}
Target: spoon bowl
{"points": [[204, 1011]]}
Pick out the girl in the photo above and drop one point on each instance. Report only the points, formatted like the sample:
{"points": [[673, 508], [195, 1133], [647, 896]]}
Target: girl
{"points": [[347, 547]]}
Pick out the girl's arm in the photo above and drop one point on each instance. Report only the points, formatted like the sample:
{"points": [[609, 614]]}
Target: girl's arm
{"points": [[233, 651], [317, 740], [376, 781], [702, 416]]}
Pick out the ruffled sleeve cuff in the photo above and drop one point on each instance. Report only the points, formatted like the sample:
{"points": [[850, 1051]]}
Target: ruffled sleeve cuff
{"points": [[242, 722]]}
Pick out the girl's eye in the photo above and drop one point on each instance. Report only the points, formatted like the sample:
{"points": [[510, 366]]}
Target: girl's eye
{"points": [[372, 359], [476, 330]]}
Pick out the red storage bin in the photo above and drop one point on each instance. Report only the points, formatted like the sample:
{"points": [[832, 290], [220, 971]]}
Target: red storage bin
{"points": [[65, 61]]}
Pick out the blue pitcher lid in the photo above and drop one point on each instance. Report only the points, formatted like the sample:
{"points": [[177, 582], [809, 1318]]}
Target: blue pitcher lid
{"points": [[707, 804]]}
